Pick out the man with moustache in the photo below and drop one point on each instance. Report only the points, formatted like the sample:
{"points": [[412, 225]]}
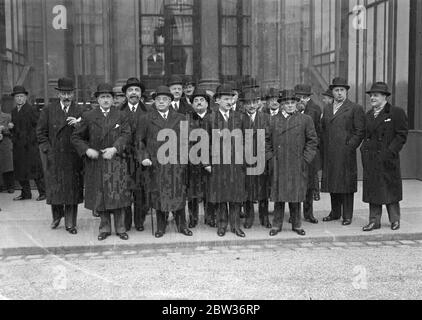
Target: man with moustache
{"points": [[26, 154], [101, 139], [343, 128], [385, 135], [198, 174], [134, 109], [291, 144], [64, 167], [166, 182], [175, 84], [189, 86], [271, 98]]}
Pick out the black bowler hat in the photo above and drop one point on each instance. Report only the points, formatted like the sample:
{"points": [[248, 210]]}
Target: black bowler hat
{"points": [[187, 80], [174, 79], [133, 82], [303, 89], [224, 90], [162, 90], [272, 93], [250, 95], [19, 90], [287, 95], [104, 88], [380, 87], [65, 84], [201, 93], [249, 83], [339, 82], [328, 93]]}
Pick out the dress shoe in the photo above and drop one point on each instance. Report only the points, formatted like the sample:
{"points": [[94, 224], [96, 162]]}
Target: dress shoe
{"points": [[123, 236], [371, 226], [395, 226], [312, 220], [317, 196], [140, 228], [239, 233], [242, 215], [103, 235], [266, 223], [159, 234], [221, 232], [346, 222], [300, 232], [11, 191], [55, 223], [42, 197], [193, 224], [186, 232], [274, 232], [330, 218], [72, 230], [21, 197]]}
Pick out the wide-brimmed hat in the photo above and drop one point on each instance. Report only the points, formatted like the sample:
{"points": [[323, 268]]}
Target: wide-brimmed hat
{"points": [[19, 90], [187, 80], [224, 90], [272, 93], [339, 82], [303, 89], [250, 95], [174, 79], [133, 82], [118, 91], [380, 87], [328, 93], [104, 88], [286, 95], [162, 90], [65, 84], [201, 93]]}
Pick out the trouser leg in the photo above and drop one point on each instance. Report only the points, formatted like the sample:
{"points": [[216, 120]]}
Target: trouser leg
{"points": [[161, 221], [209, 212], [57, 211], [348, 199], [139, 207], [105, 223], [119, 220], [40, 183], [308, 205], [222, 215], [375, 212], [393, 212], [250, 213], [8, 180], [234, 215], [278, 215], [263, 209], [128, 217], [193, 206], [180, 219], [336, 205], [294, 208], [26, 188], [70, 216]]}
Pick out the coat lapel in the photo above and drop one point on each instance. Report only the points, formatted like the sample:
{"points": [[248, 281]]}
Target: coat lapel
{"points": [[344, 108], [113, 118], [288, 124], [59, 114], [385, 113]]}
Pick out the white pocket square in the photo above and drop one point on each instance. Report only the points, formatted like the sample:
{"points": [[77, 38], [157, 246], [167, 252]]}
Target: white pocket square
{"points": [[388, 120], [117, 125]]}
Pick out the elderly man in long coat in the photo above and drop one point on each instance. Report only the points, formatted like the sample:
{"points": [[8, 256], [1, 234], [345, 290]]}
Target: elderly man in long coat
{"points": [[385, 135], [292, 146], [166, 181], [6, 151], [343, 127], [101, 139], [63, 166], [26, 155]]}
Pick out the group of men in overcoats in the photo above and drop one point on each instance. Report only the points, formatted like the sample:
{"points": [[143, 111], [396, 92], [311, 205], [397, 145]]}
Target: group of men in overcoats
{"points": [[111, 156]]}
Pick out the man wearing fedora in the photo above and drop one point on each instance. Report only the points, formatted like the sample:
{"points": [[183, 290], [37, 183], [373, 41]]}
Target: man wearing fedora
{"points": [[166, 182], [309, 107], [291, 146], [271, 98], [179, 104], [256, 185], [135, 108], [101, 139], [189, 86], [226, 185], [119, 97], [343, 128], [64, 167], [26, 154], [385, 135], [327, 97]]}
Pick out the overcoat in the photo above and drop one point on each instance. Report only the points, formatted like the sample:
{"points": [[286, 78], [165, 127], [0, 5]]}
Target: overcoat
{"points": [[292, 145], [385, 136], [227, 181], [342, 134], [64, 167], [314, 111], [257, 186], [165, 183], [106, 181], [26, 154], [6, 146]]}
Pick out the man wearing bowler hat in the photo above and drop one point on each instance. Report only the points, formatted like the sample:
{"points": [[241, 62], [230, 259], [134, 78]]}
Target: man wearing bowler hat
{"points": [[271, 98], [64, 167], [343, 128], [180, 105], [189, 86], [26, 154], [327, 97], [135, 109], [385, 135], [101, 139]]}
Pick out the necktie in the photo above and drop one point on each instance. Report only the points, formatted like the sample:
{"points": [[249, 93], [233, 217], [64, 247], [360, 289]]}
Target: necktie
{"points": [[226, 116], [105, 114], [176, 106], [133, 109], [65, 109]]}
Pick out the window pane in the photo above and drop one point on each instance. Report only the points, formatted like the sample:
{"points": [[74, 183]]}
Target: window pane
{"points": [[246, 63], [152, 7], [153, 61], [178, 7], [152, 30], [246, 31], [181, 31], [229, 61], [229, 31]]}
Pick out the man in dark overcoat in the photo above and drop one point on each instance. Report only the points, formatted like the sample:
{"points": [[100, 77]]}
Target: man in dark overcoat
{"points": [[292, 145], [64, 167], [6, 152], [135, 109], [165, 181], [385, 135], [101, 139], [342, 127], [26, 155], [226, 186], [309, 107], [179, 104]]}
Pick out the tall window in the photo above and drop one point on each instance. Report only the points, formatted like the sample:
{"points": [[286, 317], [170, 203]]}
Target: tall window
{"points": [[235, 38], [169, 39]]}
